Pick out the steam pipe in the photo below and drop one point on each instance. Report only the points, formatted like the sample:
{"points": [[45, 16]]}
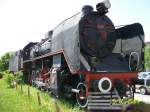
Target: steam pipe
{"points": [[75, 91]]}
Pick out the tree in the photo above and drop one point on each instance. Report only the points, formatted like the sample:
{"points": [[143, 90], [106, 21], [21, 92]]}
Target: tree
{"points": [[147, 57], [4, 61]]}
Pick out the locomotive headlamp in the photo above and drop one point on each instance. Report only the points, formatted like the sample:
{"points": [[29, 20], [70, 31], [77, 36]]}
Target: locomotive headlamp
{"points": [[105, 85], [106, 3]]}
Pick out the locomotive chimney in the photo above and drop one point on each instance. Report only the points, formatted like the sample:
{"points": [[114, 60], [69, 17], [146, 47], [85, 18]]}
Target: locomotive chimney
{"points": [[87, 9]]}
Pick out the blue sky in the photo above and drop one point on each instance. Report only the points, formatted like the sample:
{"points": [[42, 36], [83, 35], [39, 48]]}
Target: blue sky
{"points": [[129, 11], [22, 21]]}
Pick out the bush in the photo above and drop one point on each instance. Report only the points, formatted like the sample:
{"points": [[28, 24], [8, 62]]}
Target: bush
{"points": [[19, 77], [13, 79], [1, 75], [125, 101], [10, 78]]}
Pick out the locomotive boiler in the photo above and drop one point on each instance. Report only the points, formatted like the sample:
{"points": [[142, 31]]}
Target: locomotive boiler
{"points": [[88, 58]]}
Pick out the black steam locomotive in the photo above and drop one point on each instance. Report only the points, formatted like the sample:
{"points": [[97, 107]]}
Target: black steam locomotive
{"points": [[85, 57]]}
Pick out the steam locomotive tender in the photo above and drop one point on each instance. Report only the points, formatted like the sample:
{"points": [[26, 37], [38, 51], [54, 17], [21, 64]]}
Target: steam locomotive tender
{"points": [[87, 56]]}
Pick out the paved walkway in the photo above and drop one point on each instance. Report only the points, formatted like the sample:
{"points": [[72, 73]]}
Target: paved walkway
{"points": [[144, 98]]}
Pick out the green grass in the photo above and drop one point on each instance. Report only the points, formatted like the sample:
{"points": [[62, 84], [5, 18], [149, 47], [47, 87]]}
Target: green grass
{"points": [[143, 107], [13, 100]]}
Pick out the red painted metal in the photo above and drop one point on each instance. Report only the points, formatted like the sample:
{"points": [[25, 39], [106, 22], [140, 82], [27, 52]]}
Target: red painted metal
{"points": [[125, 76], [111, 75], [44, 73]]}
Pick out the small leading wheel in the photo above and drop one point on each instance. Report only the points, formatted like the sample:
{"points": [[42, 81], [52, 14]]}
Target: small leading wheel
{"points": [[143, 90], [81, 97]]}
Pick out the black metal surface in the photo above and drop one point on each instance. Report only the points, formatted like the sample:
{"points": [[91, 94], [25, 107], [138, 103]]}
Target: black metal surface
{"points": [[130, 38], [95, 38]]}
